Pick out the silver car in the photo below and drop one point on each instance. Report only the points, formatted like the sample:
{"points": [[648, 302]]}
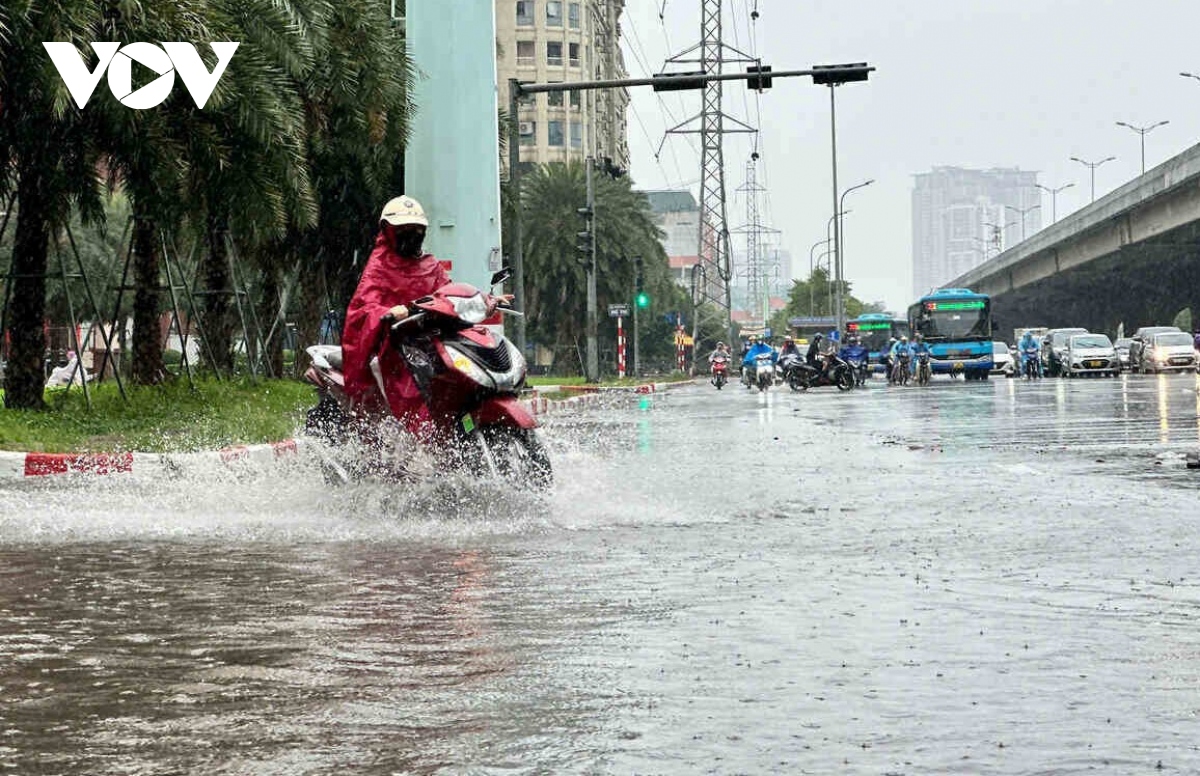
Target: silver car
{"points": [[1003, 362], [1169, 351], [1090, 354]]}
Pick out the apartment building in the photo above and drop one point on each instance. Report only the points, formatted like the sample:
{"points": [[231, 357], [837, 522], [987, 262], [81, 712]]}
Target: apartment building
{"points": [[962, 217], [560, 41]]}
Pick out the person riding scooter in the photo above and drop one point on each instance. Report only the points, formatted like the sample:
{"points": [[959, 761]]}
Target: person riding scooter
{"points": [[1030, 352], [397, 273], [757, 348]]}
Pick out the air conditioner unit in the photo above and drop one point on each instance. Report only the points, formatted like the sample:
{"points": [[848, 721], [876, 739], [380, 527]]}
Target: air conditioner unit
{"points": [[525, 127]]}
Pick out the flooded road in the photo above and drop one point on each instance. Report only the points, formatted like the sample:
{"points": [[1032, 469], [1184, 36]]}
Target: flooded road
{"points": [[993, 578]]}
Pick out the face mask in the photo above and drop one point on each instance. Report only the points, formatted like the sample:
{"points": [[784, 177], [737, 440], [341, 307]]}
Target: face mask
{"points": [[408, 243]]}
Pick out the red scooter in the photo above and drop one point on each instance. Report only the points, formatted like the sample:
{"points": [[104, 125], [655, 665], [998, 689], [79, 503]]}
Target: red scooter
{"points": [[720, 371], [469, 377]]}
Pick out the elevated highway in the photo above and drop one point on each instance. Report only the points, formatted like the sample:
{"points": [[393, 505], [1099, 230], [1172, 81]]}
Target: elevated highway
{"points": [[1132, 257]]}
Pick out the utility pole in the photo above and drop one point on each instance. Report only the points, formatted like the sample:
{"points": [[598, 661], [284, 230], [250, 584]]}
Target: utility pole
{"points": [[757, 287], [714, 231], [593, 353]]}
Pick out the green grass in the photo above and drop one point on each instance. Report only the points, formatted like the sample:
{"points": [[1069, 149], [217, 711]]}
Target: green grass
{"points": [[167, 418]]}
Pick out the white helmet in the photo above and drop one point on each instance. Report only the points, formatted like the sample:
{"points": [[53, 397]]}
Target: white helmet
{"points": [[403, 210]]}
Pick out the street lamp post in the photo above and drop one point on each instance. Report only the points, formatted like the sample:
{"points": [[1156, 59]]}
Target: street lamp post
{"points": [[811, 295], [1022, 211], [841, 253], [1143, 131], [1092, 166], [1053, 198], [833, 80]]}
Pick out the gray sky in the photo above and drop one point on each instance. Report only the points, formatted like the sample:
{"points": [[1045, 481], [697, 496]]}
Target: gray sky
{"points": [[973, 83]]}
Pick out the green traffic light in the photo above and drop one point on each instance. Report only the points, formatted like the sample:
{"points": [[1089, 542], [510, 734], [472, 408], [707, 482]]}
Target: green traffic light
{"points": [[643, 299]]}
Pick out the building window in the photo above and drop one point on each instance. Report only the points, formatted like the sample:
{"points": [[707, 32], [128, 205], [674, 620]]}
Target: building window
{"points": [[576, 99], [573, 54], [527, 132], [524, 13], [526, 53], [576, 135], [554, 130], [553, 13], [554, 99], [554, 53], [573, 15]]}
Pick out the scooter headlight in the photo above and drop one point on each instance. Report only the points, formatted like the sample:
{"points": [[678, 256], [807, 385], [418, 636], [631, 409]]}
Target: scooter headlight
{"points": [[472, 309], [469, 367]]}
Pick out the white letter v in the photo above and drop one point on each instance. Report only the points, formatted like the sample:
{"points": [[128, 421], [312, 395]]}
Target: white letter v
{"points": [[199, 82], [80, 82]]}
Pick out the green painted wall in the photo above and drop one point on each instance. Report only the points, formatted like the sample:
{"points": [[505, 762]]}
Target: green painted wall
{"points": [[452, 165]]}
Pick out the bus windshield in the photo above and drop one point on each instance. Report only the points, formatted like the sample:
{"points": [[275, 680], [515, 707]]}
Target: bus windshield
{"points": [[951, 319], [875, 334]]}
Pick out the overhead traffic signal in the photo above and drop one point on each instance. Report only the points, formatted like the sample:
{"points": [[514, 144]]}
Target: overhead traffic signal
{"points": [[584, 239]]}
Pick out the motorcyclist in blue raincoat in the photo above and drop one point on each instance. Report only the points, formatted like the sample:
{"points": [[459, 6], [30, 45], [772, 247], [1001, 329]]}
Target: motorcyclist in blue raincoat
{"points": [[900, 352], [1030, 350], [756, 348], [915, 349]]}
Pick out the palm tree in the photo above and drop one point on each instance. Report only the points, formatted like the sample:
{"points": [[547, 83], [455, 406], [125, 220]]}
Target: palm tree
{"points": [[48, 156], [357, 103], [555, 272], [247, 178]]}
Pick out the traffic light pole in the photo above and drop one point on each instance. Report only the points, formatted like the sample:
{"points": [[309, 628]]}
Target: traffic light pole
{"points": [[593, 351], [758, 77]]}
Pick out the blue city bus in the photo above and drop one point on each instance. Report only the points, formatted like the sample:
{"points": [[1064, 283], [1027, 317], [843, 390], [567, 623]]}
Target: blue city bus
{"points": [[875, 331], [957, 325]]}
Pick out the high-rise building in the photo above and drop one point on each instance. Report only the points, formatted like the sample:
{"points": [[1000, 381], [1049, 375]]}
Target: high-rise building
{"points": [[560, 41], [678, 216], [963, 217]]}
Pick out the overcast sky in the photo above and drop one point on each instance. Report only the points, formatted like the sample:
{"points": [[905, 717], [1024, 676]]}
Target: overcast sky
{"points": [[972, 83]]}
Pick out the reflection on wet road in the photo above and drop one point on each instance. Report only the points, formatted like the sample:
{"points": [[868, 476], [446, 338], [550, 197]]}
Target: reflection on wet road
{"points": [[993, 578]]}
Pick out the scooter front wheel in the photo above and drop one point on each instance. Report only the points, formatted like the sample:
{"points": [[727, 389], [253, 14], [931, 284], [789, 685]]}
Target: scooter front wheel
{"points": [[517, 455]]}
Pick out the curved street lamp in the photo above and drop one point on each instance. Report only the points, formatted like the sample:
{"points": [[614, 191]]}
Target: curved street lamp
{"points": [[1142, 131], [1023, 211], [1093, 166], [839, 240], [1053, 198]]}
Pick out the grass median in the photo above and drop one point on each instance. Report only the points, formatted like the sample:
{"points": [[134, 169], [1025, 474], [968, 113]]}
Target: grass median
{"points": [[167, 418]]}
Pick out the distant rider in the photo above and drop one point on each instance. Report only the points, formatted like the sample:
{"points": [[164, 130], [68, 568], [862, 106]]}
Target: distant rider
{"points": [[1030, 351], [917, 347], [900, 353], [722, 350]]}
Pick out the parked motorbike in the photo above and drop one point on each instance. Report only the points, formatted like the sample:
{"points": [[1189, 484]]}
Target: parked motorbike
{"points": [[720, 370], [469, 377], [924, 370], [836, 372]]}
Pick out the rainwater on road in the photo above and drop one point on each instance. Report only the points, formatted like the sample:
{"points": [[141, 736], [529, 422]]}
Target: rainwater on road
{"points": [[987, 578]]}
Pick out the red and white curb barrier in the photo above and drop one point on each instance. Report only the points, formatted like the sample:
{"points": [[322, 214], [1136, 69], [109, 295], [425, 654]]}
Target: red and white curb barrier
{"points": [[19, 465]]}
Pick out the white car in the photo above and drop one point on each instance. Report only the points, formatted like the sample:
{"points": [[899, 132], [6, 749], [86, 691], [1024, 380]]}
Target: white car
{"points": [[1002, 360], [1171, 350], [1090, 354]]}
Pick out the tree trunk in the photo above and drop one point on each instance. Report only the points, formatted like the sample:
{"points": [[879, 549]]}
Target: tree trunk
{"points": [[147, 335], [273, 298], [25, 375], [218, 301]]}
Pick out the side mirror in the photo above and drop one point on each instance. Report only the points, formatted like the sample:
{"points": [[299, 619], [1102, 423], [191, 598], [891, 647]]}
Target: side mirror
{"points": [[499, 277]]}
